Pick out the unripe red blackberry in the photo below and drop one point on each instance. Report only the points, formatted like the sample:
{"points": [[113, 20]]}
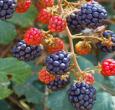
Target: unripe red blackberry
{"points": [[25, 52], [43, 16], [56, 45], [83, 48], [33, 36], [45, 3], [58, 63], [59, 82], [23, 6], [7, 8], [45, 76], [89, 78], [108, 67], [82, 96], [57, 24]]}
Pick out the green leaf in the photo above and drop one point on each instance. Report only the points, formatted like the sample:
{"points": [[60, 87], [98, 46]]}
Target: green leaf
{"points": [[39, 106], [84, 63], [104, 102], [109, 83], [4, 105], [7, 32], [31, 93], [26, 19], [19, 70], [92, 59], [59, 101], [4, 83]]}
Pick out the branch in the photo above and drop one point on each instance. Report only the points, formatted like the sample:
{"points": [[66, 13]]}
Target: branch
{"points": [[46, 98], [71, 42], [87, 37], [14, 101]]}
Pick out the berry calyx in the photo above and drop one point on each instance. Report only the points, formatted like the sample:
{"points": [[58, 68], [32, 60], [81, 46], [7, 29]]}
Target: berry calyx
{"points": [[108, 45], [89, 78], [33, 36], [83, 48], [108, 67], [45, 76], [25, 52], [82, 96], [45, 3], [23, 6], [43, 16], [57, 24], [56, 45], [58, 63], [59, 82]]}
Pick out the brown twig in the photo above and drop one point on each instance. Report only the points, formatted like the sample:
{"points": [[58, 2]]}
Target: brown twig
{"points": [[6, 50], [46, 98], [13, 100], [71, 42], [87, 37]]}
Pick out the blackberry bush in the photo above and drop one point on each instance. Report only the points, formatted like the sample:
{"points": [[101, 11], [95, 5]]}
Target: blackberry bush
{"points": [[65, 43], [7, 8], [25, 52]]}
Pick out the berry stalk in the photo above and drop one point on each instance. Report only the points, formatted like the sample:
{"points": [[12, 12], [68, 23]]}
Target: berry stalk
{"points": [[71, 42]]}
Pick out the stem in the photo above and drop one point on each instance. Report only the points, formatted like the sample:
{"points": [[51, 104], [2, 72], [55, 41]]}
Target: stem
{"points": [[46, 98], [86, 37], [71, 42], [72, 50], [13, 100]]}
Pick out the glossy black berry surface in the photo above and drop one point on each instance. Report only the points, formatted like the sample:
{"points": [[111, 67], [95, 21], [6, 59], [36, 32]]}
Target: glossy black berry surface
{"points": [[91, 15], [82, 96], [7, 8], [25, 52], [59, 83], [58, 63]]}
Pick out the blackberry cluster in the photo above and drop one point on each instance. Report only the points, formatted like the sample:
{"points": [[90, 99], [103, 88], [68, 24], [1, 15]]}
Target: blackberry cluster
{"points": [[82, 96], [25, 52], [108, 35], [91, 15], [58, 63], [59, 82], [7, 8]]}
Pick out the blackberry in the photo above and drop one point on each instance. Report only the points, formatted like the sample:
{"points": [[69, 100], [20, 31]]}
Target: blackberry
{"points": [[7, 8], [104, 48], [58, 63], [59, 82], [91, 15], [82, 96], [25, 52]]}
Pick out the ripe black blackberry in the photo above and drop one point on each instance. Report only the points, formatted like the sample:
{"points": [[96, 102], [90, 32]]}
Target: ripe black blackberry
{"points": [[7, 8], [58, 63], [103, 47], [91, 15], [59, 82], [82, 96], [25, 52]]}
